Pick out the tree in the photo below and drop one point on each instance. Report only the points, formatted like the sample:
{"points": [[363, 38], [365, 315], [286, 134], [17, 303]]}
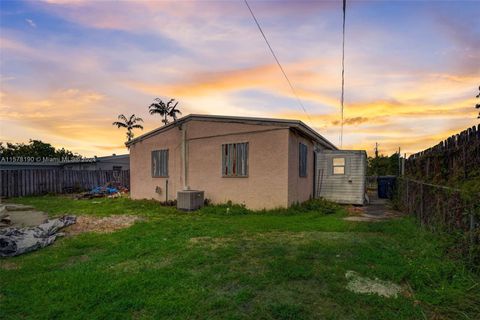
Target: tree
{"points": [[35, 149], [478, 104], [129, 124], [164, 110], [381, 165]]}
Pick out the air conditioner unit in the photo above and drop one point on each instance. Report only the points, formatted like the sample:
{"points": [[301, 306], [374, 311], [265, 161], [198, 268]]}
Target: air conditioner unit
{"points": [[190, 200]]}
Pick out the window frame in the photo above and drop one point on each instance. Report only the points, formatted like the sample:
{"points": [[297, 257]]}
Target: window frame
{"points": [[302, 147], [236, 165], [166, 161], [344, 165]]}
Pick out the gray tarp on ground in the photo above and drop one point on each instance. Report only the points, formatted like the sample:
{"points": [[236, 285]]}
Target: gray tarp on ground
{"points": [[15, 241]]}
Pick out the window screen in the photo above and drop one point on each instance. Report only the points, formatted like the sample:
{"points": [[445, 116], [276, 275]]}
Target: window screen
{"points": [[338, 165], [235, 159], [303, 153], [160, 163]]}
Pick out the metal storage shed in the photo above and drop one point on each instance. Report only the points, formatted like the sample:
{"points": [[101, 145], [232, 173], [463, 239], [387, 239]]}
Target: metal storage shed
{"points": [[341, 176]]}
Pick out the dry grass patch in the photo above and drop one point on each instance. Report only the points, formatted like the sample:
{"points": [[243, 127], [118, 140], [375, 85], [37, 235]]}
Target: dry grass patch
{"points": [[101, 225], [359, 284], [9, 265]]}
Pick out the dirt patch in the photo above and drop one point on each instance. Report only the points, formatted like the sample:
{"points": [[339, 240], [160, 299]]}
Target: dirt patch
{"points": [[359, 284], [355, 210], [9, 265], [17, 207], [101, 225], [17, 215], [377, 210]]}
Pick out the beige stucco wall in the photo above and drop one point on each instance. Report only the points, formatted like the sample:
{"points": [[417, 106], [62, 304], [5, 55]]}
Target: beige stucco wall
{"points": [[142, 184], [266, 184], [300, 189], [265, 187]]}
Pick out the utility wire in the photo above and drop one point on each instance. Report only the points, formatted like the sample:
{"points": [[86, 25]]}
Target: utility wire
{"points": [[278, 62], [343, 71]]}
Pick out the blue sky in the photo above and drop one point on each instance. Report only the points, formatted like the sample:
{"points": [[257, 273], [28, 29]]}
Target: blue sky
{"points": [[68, 68]]}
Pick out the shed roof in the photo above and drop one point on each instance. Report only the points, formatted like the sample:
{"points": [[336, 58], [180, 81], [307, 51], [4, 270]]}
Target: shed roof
{"points": [[295, 124], [113, 157]]}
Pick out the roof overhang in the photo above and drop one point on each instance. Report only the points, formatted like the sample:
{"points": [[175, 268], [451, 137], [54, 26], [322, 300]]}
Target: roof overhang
{"points": [[296, 124]]}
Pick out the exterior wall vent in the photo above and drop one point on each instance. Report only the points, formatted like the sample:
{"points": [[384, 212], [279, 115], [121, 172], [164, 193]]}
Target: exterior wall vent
{"points": [[189, 200]]}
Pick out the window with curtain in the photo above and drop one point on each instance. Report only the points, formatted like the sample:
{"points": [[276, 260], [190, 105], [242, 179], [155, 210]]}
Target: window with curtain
{"points": [[160, 163], [235, 159]]}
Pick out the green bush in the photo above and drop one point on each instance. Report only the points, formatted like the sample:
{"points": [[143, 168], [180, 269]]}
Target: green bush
{"points": [[318, 205]]}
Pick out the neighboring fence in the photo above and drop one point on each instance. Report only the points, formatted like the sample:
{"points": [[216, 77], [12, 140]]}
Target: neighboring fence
{"points": [[26, 182], [454, 159], [428, 190], [440, 208]]}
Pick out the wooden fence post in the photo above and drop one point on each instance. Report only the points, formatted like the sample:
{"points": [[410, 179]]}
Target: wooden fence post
{"points": [[421, 203]]}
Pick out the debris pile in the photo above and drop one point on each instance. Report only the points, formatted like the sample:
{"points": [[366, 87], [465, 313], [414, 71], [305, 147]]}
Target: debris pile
{"points": [[15, 241], [110, 190]]}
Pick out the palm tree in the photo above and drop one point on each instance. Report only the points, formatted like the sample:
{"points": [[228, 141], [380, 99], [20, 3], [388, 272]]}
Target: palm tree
{"points": [[164, 110], [172, 111], [158, 106], [130, 124]]}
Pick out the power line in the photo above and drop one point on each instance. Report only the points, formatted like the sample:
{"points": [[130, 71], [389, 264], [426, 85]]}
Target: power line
{"points": [[278, 62], [343, 71]]}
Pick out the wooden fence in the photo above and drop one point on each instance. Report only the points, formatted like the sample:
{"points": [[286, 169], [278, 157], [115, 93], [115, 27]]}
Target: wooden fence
{"points": [[454, 159], [428, 190], [26, 182]]}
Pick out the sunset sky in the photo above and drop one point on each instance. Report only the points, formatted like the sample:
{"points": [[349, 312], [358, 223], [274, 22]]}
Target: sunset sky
{"points": [[68, 68]]}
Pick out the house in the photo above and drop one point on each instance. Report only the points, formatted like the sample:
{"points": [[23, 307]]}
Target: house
{"points": [[114, 162], [258, 162]]}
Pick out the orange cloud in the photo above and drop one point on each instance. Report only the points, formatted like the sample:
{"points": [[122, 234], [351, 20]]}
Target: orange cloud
{"points": [[263, 77]]}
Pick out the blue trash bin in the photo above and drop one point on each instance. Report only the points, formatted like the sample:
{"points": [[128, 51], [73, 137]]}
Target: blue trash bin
{"points": [[386, 186]]}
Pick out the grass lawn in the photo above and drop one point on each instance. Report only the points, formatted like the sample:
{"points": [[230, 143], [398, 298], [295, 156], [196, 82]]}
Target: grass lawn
{"points": [[286, 264]]}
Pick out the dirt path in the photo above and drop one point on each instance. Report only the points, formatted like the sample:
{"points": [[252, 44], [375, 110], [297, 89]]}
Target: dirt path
{"points": [[376, 210]]}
